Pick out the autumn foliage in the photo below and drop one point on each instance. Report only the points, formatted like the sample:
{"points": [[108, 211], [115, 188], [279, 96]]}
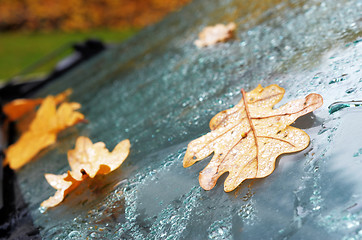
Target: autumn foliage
{"points": [[86, 160], [43, 130], [247, 139], [68, 15]]}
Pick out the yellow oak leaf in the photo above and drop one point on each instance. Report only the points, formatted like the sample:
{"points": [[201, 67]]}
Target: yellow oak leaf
{"points": [[19, 107], [211, 35], [247, 139], [42, 131], [63, 184], [94, 159], [87, 159]]}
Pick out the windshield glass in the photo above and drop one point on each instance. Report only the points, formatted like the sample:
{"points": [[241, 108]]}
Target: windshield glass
{"points": [[161, 91]]}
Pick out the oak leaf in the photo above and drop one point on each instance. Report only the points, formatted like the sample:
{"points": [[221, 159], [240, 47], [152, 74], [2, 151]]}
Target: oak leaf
{"points": [[85, 160], [19, 107], [211, 35], [247, 139], [94, 158], [43, 131], [64, 184]]}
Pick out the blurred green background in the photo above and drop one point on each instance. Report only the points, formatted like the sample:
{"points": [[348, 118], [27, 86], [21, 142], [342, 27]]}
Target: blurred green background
{"points": [[19, 50], [32, 29]]}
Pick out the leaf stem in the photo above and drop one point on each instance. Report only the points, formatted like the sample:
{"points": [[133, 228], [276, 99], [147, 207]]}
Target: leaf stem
{"points": [[252, 128]]}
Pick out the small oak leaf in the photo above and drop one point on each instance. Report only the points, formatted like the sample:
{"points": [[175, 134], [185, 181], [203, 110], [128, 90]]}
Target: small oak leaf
{"points": [[85, 160], [64, 184], [247, 139], [211, 35], [94, 159]]}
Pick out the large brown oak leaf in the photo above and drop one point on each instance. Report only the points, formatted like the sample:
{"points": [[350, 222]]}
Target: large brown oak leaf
{"points": [[247, 139]]}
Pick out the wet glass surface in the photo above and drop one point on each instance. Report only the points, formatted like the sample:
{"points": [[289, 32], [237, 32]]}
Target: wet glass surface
{"points": [[160, 91]]}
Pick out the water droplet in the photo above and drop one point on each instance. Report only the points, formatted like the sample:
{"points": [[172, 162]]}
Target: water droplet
{"points": [[316, 208], [334, 107], [220, 229], [350, 90], [317, 75], [357, 154], [94, 235], [357, 41], [42, 209], [339, 79], [323, 131], [74, 235]]}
